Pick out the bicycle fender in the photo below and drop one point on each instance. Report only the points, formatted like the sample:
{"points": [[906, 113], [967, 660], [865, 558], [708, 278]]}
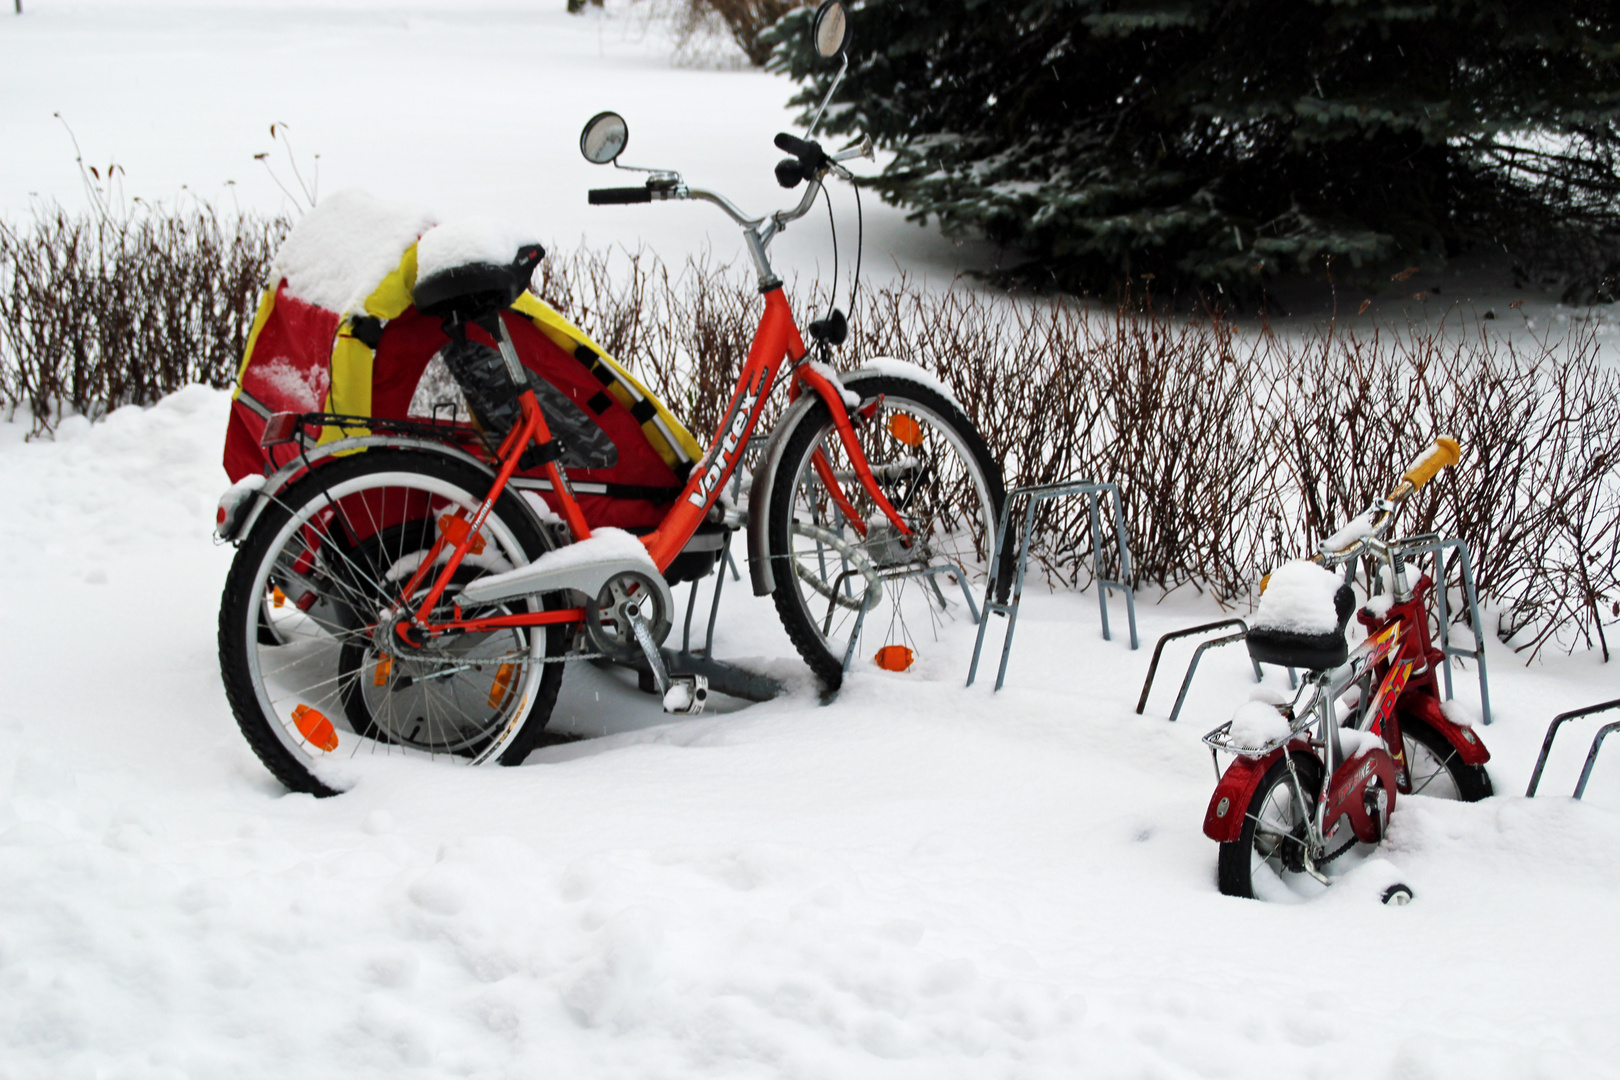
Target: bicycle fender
{"points": [[1470, 748], [304, 464], [759, 493], [1223, 821]]}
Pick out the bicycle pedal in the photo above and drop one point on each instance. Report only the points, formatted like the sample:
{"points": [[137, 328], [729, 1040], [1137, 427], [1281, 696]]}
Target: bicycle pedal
{"points": [[687, 695]]}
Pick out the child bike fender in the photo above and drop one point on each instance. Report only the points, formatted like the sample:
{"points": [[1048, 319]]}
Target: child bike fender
{"points": [[1470, 748], [241, 522], [1223, 821]]}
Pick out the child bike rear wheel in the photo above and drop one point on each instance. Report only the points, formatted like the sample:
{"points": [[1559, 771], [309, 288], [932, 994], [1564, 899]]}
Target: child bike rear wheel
{"points": [[1267, 860], [313, 668]]}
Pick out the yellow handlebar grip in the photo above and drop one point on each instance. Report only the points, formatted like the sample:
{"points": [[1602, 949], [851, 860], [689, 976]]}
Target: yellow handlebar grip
{"points": [[1444, 452]]}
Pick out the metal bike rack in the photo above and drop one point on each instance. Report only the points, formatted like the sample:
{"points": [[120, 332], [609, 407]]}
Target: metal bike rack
{"points": [[1198, 654], [1591, 755], [1437, 545], [1034, 495]]}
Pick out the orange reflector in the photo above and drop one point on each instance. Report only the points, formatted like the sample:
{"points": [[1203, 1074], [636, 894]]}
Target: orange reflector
{"points": [[385, 665], [894, 658], [905, 429], [315, 727], [278, 598], [455, 529], [503, 683]]}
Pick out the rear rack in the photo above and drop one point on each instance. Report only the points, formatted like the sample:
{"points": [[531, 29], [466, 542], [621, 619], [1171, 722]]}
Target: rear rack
{"points": [[289, 427]]}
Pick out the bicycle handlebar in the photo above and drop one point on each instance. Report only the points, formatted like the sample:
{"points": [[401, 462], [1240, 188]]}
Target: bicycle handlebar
{"points": [[1443, 453], [613, 196], [1375, 520]]}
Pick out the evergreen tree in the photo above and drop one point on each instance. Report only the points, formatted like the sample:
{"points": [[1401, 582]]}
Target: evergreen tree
{"points": [[1213, 143]]}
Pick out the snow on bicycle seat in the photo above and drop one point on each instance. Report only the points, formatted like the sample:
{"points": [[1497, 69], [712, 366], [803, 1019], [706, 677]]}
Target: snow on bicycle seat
{"points": [[1301, 618], [467, 268]]}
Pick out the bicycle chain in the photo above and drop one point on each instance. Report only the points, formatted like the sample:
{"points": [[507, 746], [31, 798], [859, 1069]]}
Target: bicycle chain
{"points": [[1323, 862]]}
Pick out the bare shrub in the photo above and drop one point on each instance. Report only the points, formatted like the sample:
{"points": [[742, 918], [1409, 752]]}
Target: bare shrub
{"points": [[108, 310], [747, 20], [1233, 449]]}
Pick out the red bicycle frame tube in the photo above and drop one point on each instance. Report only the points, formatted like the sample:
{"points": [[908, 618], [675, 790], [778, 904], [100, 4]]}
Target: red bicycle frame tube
{"points": [[846, 433], [531, 428], [776, 340]]}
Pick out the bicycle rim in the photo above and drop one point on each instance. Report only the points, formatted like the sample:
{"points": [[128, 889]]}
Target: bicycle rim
{"points": [[328, 588]]}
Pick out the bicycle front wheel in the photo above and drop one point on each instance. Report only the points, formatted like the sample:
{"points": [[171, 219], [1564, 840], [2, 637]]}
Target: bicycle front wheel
{"points": [[313, 670], [844, 573]]}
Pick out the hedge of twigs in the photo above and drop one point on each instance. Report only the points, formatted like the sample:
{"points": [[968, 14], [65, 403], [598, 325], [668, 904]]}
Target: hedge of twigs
{"points": [[1234, 449], [120, 308]]}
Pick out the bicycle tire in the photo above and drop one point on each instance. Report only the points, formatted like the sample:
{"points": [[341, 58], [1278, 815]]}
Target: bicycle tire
{"points": [[1435, 767], [1275, 851], [305, 574]]}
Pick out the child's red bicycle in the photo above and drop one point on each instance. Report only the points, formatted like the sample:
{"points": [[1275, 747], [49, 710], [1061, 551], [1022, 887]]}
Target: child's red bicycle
{"points": [[400, 585], [1315, 777]]}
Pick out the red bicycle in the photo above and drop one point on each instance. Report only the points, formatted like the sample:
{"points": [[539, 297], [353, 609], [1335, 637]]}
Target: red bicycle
{"points": [[1313, 778], [399, 585]]}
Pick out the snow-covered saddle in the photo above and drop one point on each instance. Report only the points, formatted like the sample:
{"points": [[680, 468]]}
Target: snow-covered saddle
{"points": [[468, 269], [1301, 618]]}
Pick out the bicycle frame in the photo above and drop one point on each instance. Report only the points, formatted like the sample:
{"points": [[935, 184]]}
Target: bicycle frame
{"points": [[776, 341]]}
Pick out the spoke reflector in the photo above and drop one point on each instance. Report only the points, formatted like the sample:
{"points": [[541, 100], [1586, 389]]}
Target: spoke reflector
{"points": [[315, 727], [894, 658], [385, 665], [277, 597], [455, 529], [905, 429], [503, 683]]}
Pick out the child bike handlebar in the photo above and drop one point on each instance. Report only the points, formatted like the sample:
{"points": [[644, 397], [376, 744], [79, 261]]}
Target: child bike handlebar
{"points": [[1374, 521]]}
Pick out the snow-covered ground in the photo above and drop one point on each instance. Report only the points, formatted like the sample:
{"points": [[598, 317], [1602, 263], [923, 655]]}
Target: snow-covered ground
{"points": [[917, 880], [464, 107]]}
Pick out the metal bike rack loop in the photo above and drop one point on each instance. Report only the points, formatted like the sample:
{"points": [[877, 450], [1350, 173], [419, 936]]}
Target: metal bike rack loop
{"points": [[1437, 545], [1591, 755], [1186, 680], [1034, 495]]}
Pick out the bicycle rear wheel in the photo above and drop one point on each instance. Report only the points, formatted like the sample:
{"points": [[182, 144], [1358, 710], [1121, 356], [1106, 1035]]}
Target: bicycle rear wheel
{"points": [[1267, 860], [843, 571], [306, 639]]}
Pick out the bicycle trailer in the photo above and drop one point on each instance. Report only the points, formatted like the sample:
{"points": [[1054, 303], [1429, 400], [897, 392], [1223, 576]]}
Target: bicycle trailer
{"points": [[337, 335]]}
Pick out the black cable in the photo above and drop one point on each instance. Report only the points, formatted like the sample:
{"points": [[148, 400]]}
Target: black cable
{"points": [[860, 244], [832, 226]]}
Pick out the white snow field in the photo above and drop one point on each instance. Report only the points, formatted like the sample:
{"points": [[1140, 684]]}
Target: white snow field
{"points": [[915, 880]]}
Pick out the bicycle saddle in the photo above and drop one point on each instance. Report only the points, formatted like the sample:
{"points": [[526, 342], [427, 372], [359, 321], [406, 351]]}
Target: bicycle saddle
{"points": [[1293, 629], [467, 291]]}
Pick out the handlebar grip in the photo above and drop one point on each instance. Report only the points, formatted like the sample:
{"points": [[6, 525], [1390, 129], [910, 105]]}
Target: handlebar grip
{"points": [[613, 196], [792, 144], [1444, 452], [806, 150]]}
